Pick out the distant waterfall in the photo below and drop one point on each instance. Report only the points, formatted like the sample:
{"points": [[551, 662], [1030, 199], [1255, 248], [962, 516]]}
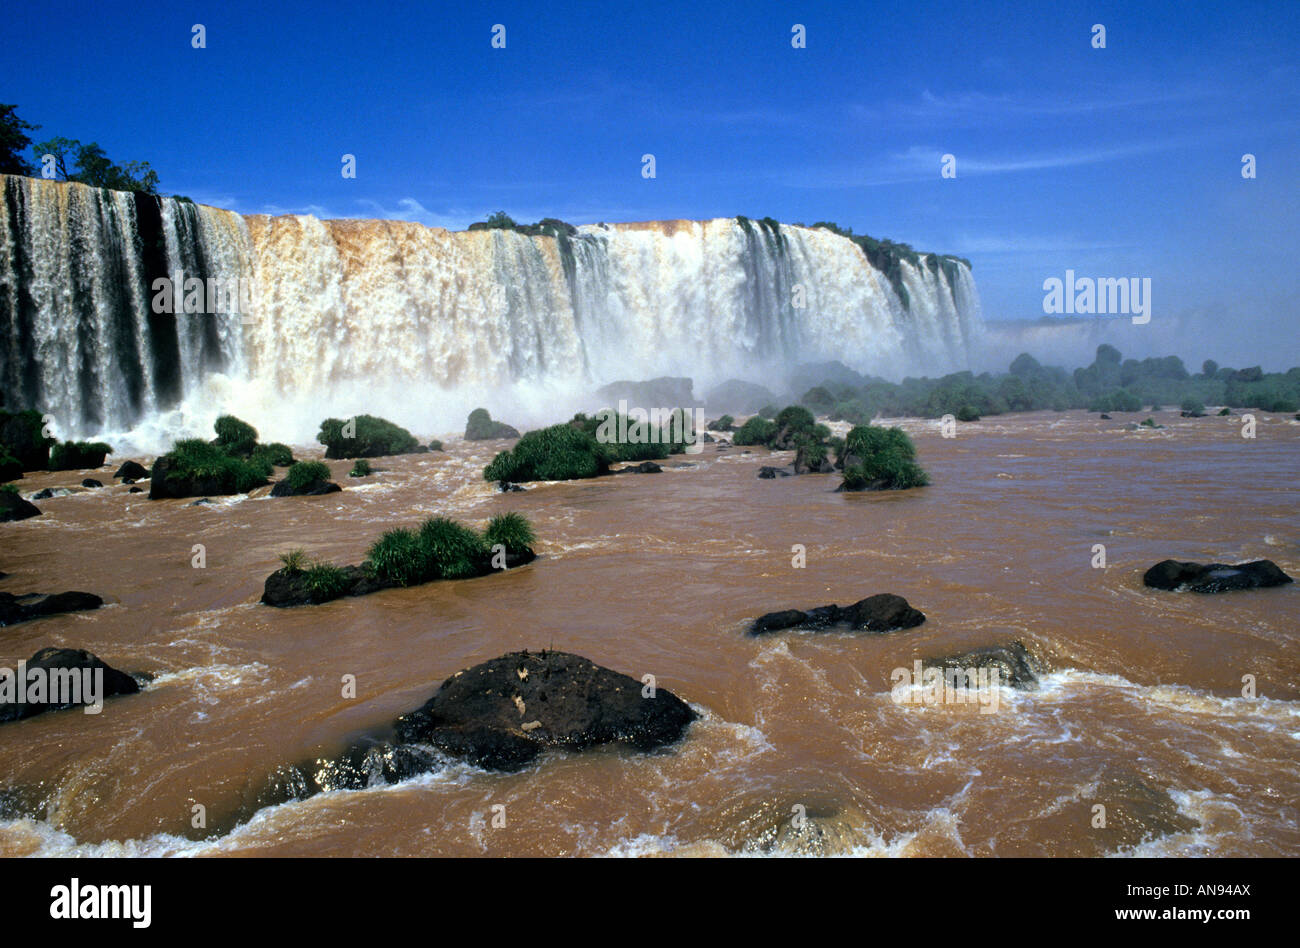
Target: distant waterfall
{"points": [[375, 310]]}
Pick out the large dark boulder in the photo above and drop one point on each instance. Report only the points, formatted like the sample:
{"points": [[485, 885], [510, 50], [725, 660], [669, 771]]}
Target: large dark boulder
{"points": [[663, 392], [1016, 667], [20, 608], [1214, 577], [283, 488], [884, 612], [132, 470], [768, 473], [645, 467], [14, 507], [481, 427], [51, 661], [503, 713]]}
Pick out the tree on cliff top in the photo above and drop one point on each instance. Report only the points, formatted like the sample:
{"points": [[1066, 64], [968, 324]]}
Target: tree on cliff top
{"points": [[94, 168], [14, 141]]}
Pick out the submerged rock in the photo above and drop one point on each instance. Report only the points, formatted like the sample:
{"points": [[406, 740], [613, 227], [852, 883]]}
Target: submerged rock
{"points": [[1136, 810], [25, 606], [645, 467], [283, 488], [768, 473], [14, 507], [92, 483], [884, 612], [503, 713], [1214, 577], [67, 659], [1016, 667]]}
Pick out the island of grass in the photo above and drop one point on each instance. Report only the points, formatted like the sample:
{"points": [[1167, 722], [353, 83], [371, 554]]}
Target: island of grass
{"points": [[366, 436], [439, 549], [306, 478], [233, 463], [587, 446], [880, 459]]}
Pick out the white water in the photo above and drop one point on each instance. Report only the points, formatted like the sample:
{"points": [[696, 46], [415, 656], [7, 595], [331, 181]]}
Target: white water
{"points": [[421, 324]]}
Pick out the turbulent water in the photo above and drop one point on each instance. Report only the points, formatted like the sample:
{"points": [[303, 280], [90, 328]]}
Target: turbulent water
{"points": [[1142, 709], [418, 323]]}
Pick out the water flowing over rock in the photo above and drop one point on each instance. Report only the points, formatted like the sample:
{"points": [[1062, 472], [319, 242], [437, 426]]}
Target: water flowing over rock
{"points": [[385, 305]]}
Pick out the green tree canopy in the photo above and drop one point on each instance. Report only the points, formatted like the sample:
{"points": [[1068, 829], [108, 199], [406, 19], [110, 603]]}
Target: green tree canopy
{"points": [[14, 141], [88, 164]]}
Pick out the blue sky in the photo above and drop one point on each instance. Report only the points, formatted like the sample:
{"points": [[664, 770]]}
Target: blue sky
{"points": [[1117, 162]]}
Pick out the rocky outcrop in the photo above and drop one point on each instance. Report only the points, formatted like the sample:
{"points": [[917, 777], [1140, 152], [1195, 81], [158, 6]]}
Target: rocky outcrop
{"points": [[1214, 577], [25, 606], [880, 613], [58, 668], [768, 473], [1016, 667], [14, 507], [503, 713], [131, 471]]}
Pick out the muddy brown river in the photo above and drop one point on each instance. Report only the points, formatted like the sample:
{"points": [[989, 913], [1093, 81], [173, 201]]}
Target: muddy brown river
{"points": [[1142, 709]]}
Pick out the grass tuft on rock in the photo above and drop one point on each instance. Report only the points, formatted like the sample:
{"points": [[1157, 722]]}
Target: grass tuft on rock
{"points": [[305, 473], [511, 530]]}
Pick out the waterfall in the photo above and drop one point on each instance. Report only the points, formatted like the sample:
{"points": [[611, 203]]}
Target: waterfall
{"points": [[394, 317], [80, 340]]}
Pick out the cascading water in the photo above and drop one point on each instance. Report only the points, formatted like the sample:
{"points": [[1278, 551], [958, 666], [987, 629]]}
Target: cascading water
{"points": [[417, 323], [80, 339]]}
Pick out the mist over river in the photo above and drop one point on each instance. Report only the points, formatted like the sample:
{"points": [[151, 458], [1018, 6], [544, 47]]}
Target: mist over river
{"points": [[1141, 707]]}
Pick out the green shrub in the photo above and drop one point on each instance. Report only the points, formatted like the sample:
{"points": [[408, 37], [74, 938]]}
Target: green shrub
{"points": [[360, 469], [372, 437], [1193, 406], [435, 444], [22, 436], [512, 531], [796, 418], [196, 459], [235, 437], [967, 413], [8, 488], [451, 550], [723, 423], [1224, 411], [305, 473], [294, 561], [398, 557], [757, 430], [558, 453], [275, 453], [768, 411], [325, 580], [884, 460], [73, 456]]}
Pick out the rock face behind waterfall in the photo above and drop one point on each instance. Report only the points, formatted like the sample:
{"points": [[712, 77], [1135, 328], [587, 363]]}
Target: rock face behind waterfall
{"points": [[503, 713]]}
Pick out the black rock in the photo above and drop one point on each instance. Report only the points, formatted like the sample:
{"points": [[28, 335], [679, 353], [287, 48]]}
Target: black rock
{"points": [[49, 659], [201, 502], [503, 713], [1016, 667], [880, 613], [770, 473], [20, 608], [44, 493], [645, 467], [1214, 577], [14, 507], [135, 490], [91, 482], [1105, 417], [132, 470], [506, 486], [282, 488]]}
